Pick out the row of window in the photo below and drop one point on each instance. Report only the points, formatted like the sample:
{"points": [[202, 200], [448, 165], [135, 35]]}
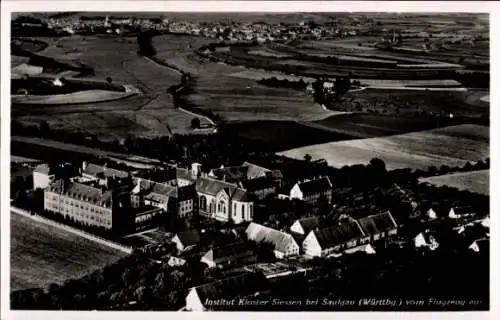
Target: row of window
{"points": [[78, 215]]}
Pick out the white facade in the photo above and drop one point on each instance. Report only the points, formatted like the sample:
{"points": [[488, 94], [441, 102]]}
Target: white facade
{"points": [[297, 227], [222, 208], [311, 246], [41, 180], [296, 193], [193, 301]]}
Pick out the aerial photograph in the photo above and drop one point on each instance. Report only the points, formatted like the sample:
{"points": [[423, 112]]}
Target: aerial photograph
{"points": [[249, 161]]}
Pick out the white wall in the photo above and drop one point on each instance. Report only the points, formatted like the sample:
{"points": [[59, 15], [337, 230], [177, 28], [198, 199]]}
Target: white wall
{"points": [[297, 228], [295, 193], [311, 245], [41, 180], [193, 302]]}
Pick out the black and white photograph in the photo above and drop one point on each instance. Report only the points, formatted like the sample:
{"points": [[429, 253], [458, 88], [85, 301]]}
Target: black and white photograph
{"points": [[248, 161]]}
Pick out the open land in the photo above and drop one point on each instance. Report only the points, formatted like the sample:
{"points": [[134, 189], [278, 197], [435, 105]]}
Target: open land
{"points": [[42, 254], [474, 181], [149, 114], [453, 146]]}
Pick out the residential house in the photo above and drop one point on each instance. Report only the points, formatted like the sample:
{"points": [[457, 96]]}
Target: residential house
{"points": [[260, 187], [283, 244], [43, 176], [174, 261], [426, 240], [186, 240], [378, 226], [305, 225], [460, 212], [312, 190], [334, 239], [240, 286], [228, 255]]}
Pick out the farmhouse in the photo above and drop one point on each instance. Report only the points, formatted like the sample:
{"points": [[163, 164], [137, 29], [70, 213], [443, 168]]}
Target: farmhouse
{"points": [[312, 190], [305, 225], [283, 243], [186, 240], [378, 226], [229, 255], [42, 176], [220, 293], [334, 239], [425, 240]]}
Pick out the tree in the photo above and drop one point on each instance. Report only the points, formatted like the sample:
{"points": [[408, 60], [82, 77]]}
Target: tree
{"points": [[195, 123], [109, 80], [307, 157]]}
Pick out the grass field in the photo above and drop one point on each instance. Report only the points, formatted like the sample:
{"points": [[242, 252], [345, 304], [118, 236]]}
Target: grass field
{"points": [[474, 181], [41, 254], [452, 146], [149, 114]]}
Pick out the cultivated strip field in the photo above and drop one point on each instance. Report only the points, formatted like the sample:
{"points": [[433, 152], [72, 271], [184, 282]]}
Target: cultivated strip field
{"points": [[474, 181], [150, 114], [417, 150], [42, 254]]}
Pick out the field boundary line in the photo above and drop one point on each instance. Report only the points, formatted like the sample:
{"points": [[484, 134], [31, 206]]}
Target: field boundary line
{"points": [[83, 234], [197, 115]]}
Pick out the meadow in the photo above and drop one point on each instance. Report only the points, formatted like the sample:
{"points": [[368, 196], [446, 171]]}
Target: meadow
{"points": [[42, 254], [417, 150], [473, 181]]}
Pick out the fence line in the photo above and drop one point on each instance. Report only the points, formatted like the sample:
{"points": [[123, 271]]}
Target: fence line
{"points": [[86, 235]]}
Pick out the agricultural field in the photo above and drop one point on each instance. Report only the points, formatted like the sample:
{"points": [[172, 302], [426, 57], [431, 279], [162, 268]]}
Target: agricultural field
{"points": [[417, 150], [149, 114], [42, 254], [236, 98], [473, 181]]}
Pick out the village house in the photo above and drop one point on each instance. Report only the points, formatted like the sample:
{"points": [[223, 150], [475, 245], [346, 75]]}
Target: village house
{"points": [[312, 190], [427, 240], [460, 212], [211, 295], [283, 244], [305, 225], [260, 187], [334, 239], [379, 226], [247, 171], [229, 255], [186, 240]]}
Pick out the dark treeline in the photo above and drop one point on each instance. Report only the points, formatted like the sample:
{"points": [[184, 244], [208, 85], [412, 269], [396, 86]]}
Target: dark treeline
{"points": [[283, 83], [145, 42]]}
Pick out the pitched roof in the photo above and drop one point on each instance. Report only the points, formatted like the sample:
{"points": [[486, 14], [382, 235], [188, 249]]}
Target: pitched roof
{"points": [[255, 171], [241, 285], [183, 174], [42, 168], [257, 184], [189, 237], [262, 234], [309, 223], [232, 250], [315, 186], [82, 191], [231, 173], [340, 234], [213, 187], [377, 223], [104, 171]]}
